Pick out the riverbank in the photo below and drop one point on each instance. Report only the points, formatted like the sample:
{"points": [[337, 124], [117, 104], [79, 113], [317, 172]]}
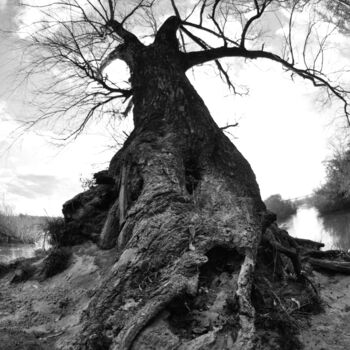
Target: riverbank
{"points": [[330, 329], [21, 228], [332, 230], [8, 239], [37, 315], [45, 315], [328, 202], [10, 252]]}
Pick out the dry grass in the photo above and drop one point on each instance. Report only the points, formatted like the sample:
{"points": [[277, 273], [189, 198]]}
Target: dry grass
{"points": [[25, 228]]}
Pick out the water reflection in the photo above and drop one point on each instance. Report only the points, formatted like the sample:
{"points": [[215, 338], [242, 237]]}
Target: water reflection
{"points": [[338, 226], [11, 252], [332, 230]]}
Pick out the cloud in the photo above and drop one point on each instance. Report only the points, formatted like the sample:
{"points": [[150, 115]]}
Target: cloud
{"points": [[32, 18], [36, 194], [32, 185], [3, 4], [20, 190]]}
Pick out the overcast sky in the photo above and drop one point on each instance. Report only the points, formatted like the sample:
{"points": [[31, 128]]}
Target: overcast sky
{"points": [[282, 132]]}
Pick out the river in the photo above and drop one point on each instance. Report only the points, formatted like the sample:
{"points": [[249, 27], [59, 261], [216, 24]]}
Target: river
{"points": [[13, 251], [333, 230]]}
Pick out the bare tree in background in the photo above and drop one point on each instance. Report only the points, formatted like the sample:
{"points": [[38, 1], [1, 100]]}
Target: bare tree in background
{"points": [[338, 13], [185, 206]]}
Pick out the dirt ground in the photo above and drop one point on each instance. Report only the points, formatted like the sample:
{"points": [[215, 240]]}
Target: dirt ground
{"points": [[45, 315], [330, 330]]}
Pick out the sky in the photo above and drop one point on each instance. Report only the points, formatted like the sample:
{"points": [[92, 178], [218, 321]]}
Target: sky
{"points": [[283, 132]]}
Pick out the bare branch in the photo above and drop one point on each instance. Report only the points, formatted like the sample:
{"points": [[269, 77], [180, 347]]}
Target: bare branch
{"points": [[213, 15], [122, 32], [317, 79], [201, 12], [212, 32], [229, 126], [259, 11], [176, 10], [83, 43]]}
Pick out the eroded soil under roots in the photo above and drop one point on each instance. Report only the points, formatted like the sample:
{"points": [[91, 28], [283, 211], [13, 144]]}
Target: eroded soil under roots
{"points": [[289, 309]]}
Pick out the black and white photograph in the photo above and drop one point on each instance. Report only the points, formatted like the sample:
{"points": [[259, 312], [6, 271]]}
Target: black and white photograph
{"points": [[174, 174]]}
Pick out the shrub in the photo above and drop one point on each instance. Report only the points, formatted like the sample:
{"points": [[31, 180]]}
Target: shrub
{"points": [[328, 202], [334, 195], [62, 233], [284, 209], [55, 228], [87, 183], [15, 228]]}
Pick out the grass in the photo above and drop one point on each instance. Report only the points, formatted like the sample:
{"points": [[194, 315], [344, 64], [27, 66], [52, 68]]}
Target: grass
{"points": [[23, 228], [55, 229], [64, 234]]}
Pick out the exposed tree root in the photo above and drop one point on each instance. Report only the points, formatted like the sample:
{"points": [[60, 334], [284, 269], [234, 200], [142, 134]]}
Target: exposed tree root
{"points": [[177, 285], [330, 266], [328, 254], [282, 293], [186, 279], [182, 282], [307, 244]]}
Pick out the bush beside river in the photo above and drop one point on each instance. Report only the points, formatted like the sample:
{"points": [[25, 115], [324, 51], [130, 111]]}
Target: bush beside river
{"points": [[334, 194], [283, 208], [20, 228]]}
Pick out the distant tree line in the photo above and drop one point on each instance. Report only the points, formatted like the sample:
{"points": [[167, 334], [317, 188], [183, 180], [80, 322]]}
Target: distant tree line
{"points": [[19, 228], [334, 195], [283, 208]]}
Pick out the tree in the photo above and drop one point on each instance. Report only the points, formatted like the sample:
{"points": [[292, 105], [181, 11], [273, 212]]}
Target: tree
{"points": [[334, 194], [283, 208], [181, 207], [339, 13]]}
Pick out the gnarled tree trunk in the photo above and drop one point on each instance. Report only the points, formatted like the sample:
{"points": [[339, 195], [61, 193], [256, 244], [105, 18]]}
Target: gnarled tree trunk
{"points": [[187, 222]]}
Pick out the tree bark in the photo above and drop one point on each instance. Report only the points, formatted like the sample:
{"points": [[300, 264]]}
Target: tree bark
{"points": [[187, 221], [330, 266]]}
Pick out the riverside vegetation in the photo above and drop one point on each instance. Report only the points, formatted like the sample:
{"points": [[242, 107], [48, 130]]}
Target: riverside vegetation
{"points": [[283, 208], [334, 194], [19, 228]]}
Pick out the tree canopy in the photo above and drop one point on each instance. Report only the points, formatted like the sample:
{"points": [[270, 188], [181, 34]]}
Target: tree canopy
{"points": [[79, 42]]}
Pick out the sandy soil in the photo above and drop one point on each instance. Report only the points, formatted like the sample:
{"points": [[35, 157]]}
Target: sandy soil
{"points": [[330, 330], [45, 315]]}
